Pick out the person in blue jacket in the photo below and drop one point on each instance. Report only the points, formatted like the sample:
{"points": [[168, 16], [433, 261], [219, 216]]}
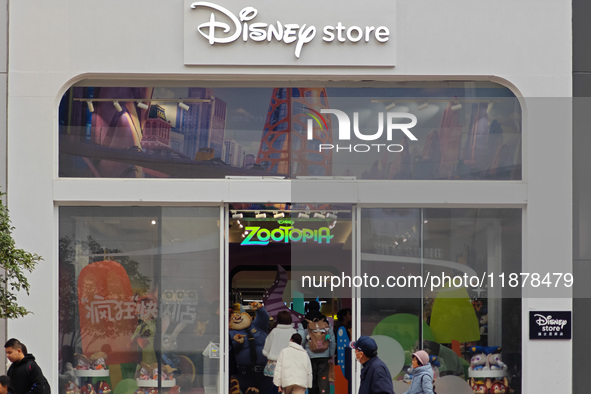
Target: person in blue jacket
{"points": [[375, 375], [422, 374]]}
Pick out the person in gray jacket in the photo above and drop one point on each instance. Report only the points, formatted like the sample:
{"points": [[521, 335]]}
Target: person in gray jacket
{"points": [[320, 359], [422, 374]]}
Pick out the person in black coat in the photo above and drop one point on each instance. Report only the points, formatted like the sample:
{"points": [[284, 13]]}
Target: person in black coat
{"points": [[375, 375], [24, 373]]}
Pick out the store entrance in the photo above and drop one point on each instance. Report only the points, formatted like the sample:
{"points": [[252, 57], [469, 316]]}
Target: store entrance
{"points": [[276, 255]]}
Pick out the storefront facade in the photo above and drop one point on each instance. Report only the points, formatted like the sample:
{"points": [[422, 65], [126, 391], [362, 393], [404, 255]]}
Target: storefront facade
{"points": [[172, 169]]}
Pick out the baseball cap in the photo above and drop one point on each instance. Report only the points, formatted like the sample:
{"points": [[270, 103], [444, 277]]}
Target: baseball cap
{"points": [[365, 344]]}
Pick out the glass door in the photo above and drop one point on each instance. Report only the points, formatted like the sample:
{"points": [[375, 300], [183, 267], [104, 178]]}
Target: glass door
{"points": [[285, 265]]}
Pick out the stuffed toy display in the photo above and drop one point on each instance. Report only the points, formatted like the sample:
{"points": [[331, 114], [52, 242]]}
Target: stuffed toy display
{"points": [[103, 387], [87, 389], [478, 386], [498, 386], [98, 361], [72, 388], [82, 362], [495, 363], [487, 371], [247, 339], [479, 362]]}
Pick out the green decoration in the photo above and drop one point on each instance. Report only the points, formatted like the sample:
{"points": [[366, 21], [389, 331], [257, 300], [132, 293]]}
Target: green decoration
{"points": [[404, 328], [126, 386], [298, 302], [453, 317]]}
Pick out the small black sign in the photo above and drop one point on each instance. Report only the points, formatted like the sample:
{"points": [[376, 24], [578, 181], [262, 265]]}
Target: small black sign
{"points": [[550, 324]]}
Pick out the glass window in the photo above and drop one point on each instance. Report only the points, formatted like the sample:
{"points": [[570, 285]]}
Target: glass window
{"points": [[139, 297], [437, 296], [437, 130]]}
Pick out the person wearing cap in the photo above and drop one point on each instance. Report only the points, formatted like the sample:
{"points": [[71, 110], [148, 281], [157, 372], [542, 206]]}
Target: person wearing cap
{"points": [[375, 375], [422, 374]]}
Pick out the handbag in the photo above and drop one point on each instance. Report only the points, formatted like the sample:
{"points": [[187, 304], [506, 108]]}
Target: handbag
{"points": [[269, 369]]}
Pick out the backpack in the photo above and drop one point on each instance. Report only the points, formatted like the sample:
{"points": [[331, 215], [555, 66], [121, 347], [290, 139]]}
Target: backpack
{"points": [[318, 335], [432, 382]]}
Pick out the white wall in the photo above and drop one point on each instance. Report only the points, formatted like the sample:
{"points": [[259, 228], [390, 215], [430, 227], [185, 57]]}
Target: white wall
{"points": [[526, 44]]}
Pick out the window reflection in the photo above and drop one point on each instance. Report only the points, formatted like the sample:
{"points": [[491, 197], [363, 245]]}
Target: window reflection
{"points": [[465, 131], [139, 289], [453, 324]]}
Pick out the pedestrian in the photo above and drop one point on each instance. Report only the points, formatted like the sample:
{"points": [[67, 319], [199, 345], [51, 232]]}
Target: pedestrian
{"points": [[24, 373], [277, 340], [422, 374], [293, 372], [319, 341], [375, 375], [5, 386]]}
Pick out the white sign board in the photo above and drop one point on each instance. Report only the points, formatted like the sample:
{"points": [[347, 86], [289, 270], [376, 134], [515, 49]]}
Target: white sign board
{"points": [[301, 33]]}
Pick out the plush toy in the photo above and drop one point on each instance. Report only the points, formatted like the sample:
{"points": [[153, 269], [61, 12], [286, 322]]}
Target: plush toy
{"points": [[97, 360], [144, 372], [247, 339], [168, 372], [82, 362], [485, 349], [146, 330], [483, 324], [72, 388], [87, 389], [103, 387], [478, 386], [495, 362], [479, 362], [435, 364], [498, 386]]}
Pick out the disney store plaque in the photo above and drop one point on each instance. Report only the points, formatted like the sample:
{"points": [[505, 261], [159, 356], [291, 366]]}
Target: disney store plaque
{"points": [[550, 324]]}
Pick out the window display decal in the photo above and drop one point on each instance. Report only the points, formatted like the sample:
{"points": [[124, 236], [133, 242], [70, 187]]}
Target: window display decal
{"points": [[550, 324], [101, 285]]}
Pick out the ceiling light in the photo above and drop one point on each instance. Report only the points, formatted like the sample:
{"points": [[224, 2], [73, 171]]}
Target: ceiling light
{"points": [[183, 106], [303, 215], [456, 107], [331, 216], [319, 216], [90, 106], [143, 105], [390, 106], [237, 216], [422, 106], [260, 215], [117, 106], [279, 215]]}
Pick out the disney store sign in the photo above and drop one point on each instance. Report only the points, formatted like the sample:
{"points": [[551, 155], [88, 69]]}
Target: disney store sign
{"points": [[550, 325], [305, 32]]}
